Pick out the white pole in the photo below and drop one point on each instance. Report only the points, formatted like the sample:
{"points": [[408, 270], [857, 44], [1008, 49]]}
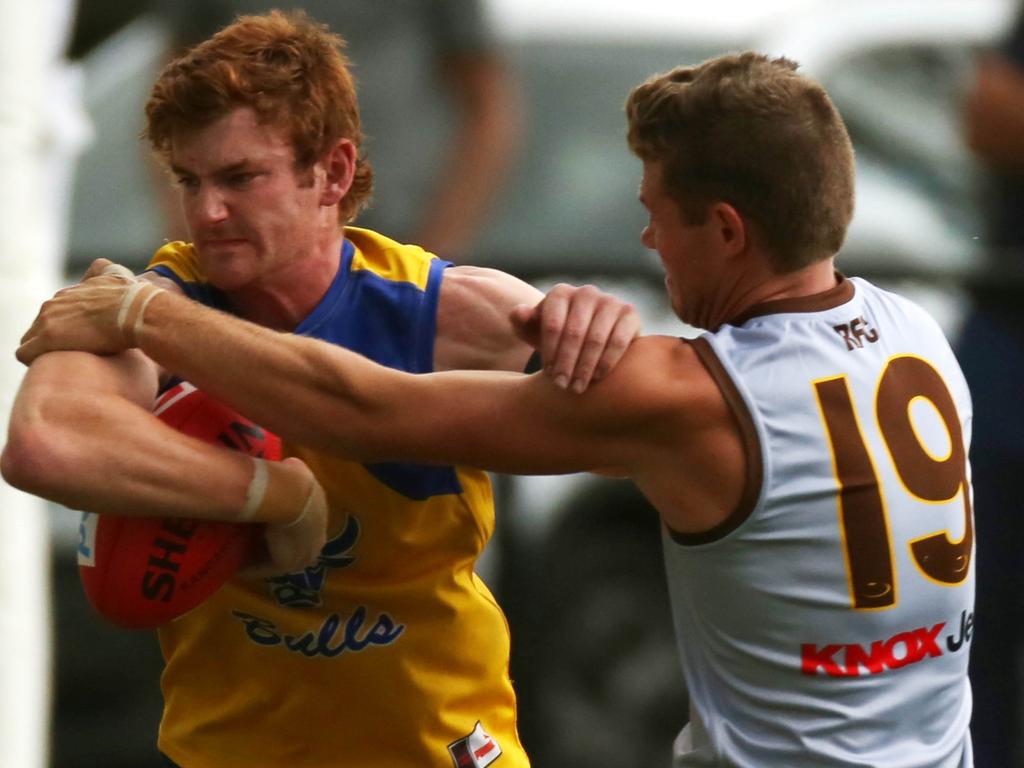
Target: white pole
{"points": [[41, 127]]}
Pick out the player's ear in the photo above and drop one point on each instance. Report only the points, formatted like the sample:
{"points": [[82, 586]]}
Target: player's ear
{"points": [[339, 167], [730, 227]]}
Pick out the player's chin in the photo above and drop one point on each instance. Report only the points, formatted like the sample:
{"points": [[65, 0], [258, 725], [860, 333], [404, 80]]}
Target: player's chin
{"points": [[220, 247], [229, 272]]}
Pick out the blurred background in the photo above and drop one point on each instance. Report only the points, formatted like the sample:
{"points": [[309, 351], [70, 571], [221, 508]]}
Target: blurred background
{"points": [[576, 561]]}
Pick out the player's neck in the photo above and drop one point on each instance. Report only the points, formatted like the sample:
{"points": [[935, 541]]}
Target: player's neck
{"points": [[283, 298], [812, 279], [756, 284]]}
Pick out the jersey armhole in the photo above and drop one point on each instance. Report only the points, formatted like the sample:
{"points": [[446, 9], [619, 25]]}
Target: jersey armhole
{"points": [[754, 475]]}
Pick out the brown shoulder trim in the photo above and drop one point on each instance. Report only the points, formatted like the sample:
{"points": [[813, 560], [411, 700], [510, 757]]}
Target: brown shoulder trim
{"points": [[841, 293], [751, 448]]}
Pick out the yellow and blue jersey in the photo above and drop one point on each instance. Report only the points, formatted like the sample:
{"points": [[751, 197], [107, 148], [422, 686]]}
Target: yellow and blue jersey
{"points": [[390, 652]]}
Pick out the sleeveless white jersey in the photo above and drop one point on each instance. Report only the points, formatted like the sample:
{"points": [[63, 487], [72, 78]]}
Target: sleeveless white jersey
{"points": [[827, 622]]}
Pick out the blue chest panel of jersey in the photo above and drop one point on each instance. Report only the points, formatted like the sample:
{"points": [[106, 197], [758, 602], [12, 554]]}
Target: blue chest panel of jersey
{"points": [[388, 321]]}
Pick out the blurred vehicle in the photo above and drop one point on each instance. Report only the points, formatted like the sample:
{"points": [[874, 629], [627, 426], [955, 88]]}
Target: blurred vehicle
{"points": [[578, 558]]}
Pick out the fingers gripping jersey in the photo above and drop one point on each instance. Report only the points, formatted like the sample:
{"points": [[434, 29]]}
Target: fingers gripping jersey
{"points": [[829, 623], [390, 652]]}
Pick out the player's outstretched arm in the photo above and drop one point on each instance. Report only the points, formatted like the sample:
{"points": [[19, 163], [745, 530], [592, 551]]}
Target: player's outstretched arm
{"points": [[323, 396], [487, 320], [319, 395]]}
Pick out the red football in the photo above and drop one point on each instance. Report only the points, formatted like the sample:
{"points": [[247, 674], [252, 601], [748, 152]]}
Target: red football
{"points": [[141, 572]]}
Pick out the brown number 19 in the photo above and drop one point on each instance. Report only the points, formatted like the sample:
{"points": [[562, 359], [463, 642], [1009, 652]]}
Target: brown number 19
{"points": [[926, 477]]}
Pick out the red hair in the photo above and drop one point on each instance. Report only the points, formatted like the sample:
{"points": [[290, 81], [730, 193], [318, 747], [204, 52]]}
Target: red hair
{"points": [[290, 70]]}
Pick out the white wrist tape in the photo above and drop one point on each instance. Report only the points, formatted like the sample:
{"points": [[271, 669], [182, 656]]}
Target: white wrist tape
{"points": [[137, 327], [256, 491], [124, 312], [305, 507], [126, 303]]}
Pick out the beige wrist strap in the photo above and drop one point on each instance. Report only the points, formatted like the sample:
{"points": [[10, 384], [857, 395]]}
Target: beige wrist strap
{"points": [[305, 507], [126, 304], [131, 313], [256, 491], [137, 325], [272, 493]]}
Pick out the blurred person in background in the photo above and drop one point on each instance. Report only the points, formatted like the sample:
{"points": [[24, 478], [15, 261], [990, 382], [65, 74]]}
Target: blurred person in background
{"points": [[261, 128], [439, 107], [991, 351]]}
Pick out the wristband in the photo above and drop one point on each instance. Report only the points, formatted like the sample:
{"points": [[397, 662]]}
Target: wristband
{"points": [[126, 304], [272, 493], [129, 324], [306, 506], [137, 325], [256, 491]]}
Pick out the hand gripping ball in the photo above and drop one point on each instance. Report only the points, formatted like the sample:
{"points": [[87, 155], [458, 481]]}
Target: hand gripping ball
{"points": [[141, 572]]}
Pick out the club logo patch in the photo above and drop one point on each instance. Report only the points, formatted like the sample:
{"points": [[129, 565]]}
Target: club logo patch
{"points": [[477, 750], [304, 589], [337, 633]]}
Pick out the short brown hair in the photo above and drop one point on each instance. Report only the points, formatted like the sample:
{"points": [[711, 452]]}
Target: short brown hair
{"points": [[287, 68], [748, 130]]}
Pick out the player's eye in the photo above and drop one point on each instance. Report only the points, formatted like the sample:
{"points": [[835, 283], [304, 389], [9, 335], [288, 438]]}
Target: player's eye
{"points": [[241, 179]]}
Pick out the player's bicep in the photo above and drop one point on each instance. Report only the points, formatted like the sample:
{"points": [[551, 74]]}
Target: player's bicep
{"points": [[473, 327]]}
